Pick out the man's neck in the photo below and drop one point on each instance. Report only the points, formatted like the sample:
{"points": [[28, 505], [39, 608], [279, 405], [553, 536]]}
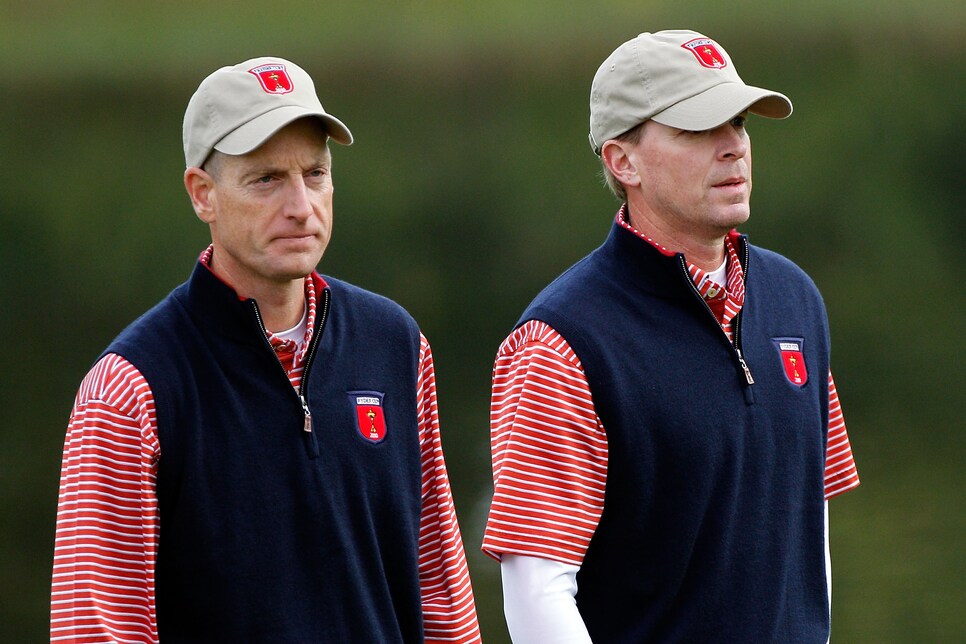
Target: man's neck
{"points": [[281, 309], [707, 252], [281, 304]]}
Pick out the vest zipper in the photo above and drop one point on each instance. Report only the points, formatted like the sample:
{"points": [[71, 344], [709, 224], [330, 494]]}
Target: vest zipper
{"points": [[307, 425], [736, 342], [316, 335], [744, 366], [300, 394]]}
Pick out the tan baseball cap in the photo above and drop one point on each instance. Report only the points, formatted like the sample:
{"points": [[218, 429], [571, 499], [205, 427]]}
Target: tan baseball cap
{"points": [[236, 109], [678, 78]]}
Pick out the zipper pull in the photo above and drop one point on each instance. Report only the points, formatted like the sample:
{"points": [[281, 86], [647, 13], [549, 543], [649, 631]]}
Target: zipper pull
{"points": [[307, 427], [744, 365]]}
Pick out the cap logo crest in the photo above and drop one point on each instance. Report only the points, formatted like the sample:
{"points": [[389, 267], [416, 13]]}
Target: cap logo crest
{"points": [[707, 52], [273, 77]]}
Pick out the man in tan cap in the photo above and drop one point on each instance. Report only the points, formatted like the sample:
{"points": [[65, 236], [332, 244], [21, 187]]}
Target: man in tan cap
{"points": [[665, 428], [258, 457]]}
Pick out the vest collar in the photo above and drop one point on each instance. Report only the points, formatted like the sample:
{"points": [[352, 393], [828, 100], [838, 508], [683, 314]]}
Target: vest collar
{"points": [[216, 307], [645, 266]]}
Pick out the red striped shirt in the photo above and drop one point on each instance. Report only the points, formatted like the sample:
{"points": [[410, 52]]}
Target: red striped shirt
{"points": [[108, 521], [549, 494]]}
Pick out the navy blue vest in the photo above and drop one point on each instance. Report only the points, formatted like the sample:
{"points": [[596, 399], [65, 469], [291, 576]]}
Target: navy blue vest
{"points": [[269, 532], [712, 529]]}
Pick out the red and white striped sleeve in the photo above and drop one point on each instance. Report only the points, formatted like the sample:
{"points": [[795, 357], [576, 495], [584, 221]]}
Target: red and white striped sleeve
{"points": [[449, 612], [107, 516], [841, 474], [548, 447]]}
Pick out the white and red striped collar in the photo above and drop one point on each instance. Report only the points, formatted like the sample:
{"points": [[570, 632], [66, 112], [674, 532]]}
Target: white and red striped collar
{"points": [[622, 221], [725, 299]]}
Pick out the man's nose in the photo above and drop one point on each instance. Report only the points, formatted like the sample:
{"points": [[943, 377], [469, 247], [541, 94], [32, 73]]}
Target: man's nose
{"points": [[732, 141], [298, 201]]}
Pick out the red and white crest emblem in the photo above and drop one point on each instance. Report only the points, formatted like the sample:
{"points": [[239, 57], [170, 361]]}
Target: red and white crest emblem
{"points": [[707, 52], [273, 77], [370, 420], [793, 359]]}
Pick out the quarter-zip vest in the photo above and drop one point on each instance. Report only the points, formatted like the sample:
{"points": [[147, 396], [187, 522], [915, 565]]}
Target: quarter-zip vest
{"points": [[269, 532], [712, 528]]}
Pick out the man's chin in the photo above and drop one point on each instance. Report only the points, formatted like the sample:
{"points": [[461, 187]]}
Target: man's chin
{"points": [[297, 269], [733, 216]]}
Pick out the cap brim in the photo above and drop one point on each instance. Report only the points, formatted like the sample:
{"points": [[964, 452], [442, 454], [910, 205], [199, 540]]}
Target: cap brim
{"points": [[251, 135], [720, 104]]}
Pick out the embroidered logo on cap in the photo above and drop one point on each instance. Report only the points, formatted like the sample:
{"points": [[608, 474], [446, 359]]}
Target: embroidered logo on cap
{"points": [[370, 421], [707, 52], [273, 77], [793, 360]]}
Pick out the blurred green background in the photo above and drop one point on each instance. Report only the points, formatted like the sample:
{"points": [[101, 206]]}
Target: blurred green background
{"points": [[470, 186]]}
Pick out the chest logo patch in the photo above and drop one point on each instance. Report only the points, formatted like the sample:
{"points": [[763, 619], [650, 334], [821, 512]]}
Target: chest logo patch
{"points": [[370, 420], [273, 77], [793, 359]]}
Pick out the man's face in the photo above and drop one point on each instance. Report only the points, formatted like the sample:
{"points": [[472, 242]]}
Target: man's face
{"points": [[699, 182], [271, 209]]}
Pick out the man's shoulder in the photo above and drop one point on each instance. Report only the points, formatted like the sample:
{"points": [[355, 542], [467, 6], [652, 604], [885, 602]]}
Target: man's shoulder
{"points": [[359, 300], [149, 346], [773, 265], [565, 290], [152, 326]]}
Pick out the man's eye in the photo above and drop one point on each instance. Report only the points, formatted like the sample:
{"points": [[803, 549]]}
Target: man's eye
{"points": [[738, 121], [265, 179]]}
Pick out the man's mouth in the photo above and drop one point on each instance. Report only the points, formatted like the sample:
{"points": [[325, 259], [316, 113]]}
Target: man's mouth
{"points": [[731, 181]]}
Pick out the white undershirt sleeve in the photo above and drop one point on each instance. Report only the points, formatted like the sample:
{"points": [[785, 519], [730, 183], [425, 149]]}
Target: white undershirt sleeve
{"points": [[538, 601], [538, 598], [828, 566]]}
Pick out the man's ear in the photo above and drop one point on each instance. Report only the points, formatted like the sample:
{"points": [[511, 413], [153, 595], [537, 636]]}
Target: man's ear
{"points": [[616, 159], [201, 187]]}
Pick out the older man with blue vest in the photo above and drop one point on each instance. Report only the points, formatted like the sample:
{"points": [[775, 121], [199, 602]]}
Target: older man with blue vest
{"points": [[665, 427], [257, 458]]}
